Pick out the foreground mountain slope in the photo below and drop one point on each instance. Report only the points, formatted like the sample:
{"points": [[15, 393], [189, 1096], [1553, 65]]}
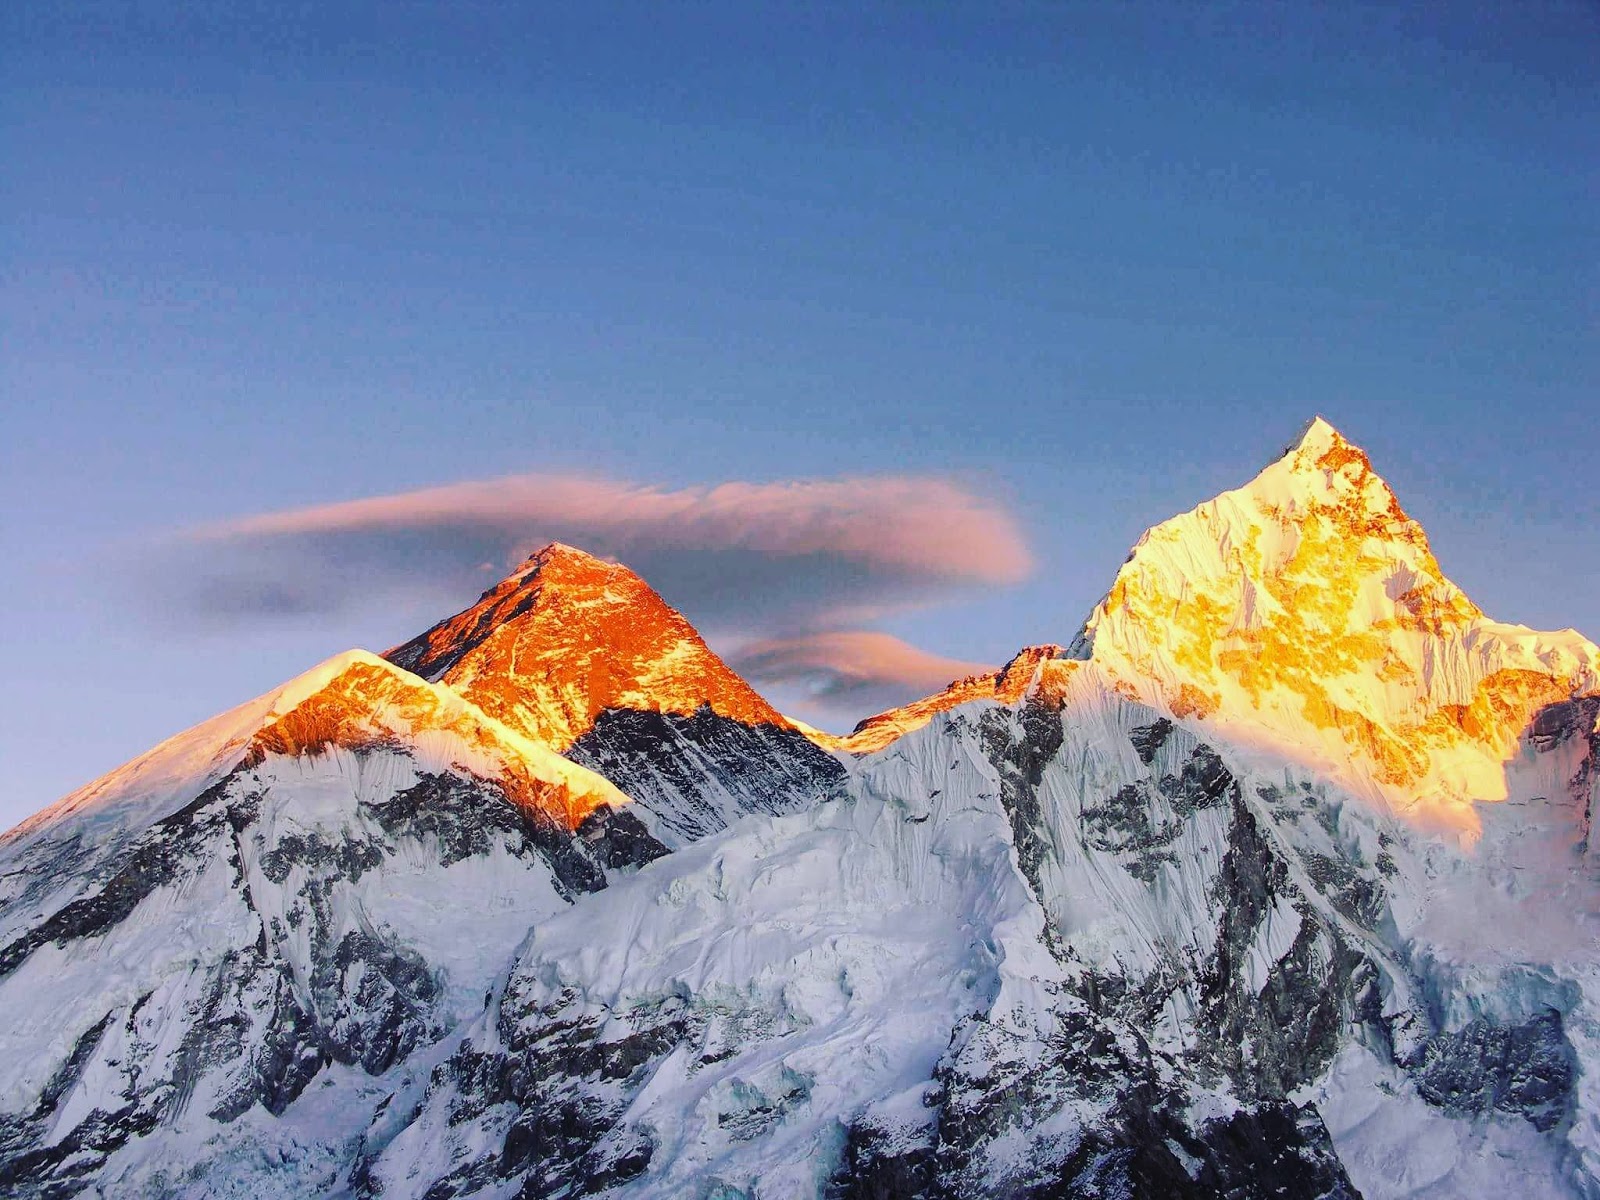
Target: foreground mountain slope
{"points": [[582, 656], [1062, 947], [870, 999], [302, 893]]}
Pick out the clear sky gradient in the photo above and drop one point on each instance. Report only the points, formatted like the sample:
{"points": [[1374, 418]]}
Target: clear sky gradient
{"points": [[1087, 265]]}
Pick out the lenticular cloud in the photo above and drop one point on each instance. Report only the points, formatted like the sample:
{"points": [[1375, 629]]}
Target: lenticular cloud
{"points": [[741, 556]]}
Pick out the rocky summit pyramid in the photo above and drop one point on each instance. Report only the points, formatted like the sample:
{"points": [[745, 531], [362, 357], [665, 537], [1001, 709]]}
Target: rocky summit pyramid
{"points": [[565, 640], [1274, 880], [582, 656]]}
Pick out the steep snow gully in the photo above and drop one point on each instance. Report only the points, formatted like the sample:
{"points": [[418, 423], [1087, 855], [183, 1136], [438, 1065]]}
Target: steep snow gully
{"points": [[1275, 881]]}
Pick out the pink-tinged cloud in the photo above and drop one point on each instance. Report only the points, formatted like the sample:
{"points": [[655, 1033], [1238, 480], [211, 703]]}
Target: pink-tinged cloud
{"points": [[922, 526], [851, 673], [750, 556]]}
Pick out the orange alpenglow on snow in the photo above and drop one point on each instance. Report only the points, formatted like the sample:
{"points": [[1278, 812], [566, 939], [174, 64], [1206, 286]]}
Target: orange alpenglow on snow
{"points": [[1305, 611], [368, 703], [355, 702], [568, 636], [1040, 666]]}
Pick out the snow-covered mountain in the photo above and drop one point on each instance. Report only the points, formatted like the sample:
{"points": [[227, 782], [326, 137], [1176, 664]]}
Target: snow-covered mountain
{"points": [[1275, 882], [582, 656], [1306, 612]]}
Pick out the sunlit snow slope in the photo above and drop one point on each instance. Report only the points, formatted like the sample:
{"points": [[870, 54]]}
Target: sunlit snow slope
{"points": [[1306, 613]]}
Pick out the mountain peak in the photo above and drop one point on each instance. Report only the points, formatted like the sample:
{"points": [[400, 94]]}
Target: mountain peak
{"points": [[1325, 484], [567, 636], [579, 577], [1324, 454], [1308, 607], [1317, 437], [559, 556]]}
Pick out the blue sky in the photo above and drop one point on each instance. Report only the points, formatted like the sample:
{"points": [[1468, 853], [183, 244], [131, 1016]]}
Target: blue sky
{"points": [[1087, 265]]}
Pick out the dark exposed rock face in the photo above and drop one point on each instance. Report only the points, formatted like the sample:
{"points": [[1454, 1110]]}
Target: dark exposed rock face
{"points": [[561, 1073], [696, 774], [465, 816], [1020, 752], [1147, 739], [1204, 782], [1558, 724], [1292, 1025], [1141, 1147], [1526, 1069], [1130, 823], [617, 838], [1273, 1150], [875, 1167]]}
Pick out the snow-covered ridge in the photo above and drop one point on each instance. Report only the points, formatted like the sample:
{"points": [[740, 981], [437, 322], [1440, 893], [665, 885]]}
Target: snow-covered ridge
{"points": [[372, 702], [351, 700], [187, 762], [1007, 685]]}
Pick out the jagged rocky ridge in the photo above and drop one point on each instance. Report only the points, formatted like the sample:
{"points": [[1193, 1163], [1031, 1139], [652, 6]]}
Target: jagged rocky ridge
{"points": [[1142, 917]]}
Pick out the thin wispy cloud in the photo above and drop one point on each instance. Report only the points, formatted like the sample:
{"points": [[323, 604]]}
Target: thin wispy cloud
{"points": [[849, 671], [750, 558]]}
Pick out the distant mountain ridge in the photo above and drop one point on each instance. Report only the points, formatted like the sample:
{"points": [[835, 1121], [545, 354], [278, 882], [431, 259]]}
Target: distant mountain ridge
{"points": [[1274, 881]]}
